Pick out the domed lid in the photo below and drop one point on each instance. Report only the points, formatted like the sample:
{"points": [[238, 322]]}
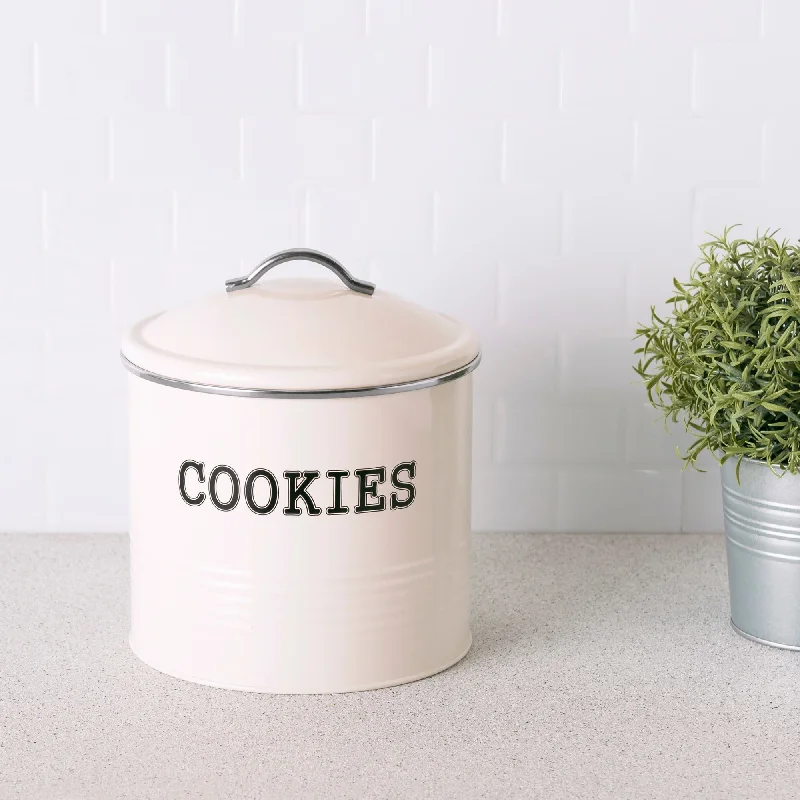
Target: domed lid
{"points": [[299, 336]]}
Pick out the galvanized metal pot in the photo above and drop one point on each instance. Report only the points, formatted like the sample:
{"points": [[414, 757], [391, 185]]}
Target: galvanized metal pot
{"points": [[762, 531]]}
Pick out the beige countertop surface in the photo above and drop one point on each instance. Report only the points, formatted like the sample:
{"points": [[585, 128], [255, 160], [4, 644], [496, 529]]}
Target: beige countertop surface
{"points": [[602, 667]]}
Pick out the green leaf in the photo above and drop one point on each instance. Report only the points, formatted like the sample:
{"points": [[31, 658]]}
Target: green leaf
{"points": [[725, 360]]}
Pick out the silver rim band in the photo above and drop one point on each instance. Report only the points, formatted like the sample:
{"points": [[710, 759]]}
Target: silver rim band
{"points": [[311, 394]]}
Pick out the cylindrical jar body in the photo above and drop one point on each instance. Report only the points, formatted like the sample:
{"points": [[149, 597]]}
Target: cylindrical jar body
{"points": [[366, 586]]}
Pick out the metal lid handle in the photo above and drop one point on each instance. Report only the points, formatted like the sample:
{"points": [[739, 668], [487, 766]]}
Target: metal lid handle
{"points": [[300, 254]]}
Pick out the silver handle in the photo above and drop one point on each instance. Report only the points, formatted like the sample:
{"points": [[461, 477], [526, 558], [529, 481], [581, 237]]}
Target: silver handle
{"points": [[300, 254]]}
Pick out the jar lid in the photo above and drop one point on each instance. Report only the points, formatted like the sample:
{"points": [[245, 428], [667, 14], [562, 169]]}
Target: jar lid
{"points": [[300, 337]]}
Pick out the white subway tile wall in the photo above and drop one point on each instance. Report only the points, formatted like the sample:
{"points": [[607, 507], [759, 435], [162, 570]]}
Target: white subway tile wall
{"points": [[540, 169]]}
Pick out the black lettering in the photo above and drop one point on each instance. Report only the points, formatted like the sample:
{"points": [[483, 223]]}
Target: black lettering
{"points": [[222, 469], [197, 466], [411, 468], [336, 476], [298, 491], [369, 488], [249, 494]]}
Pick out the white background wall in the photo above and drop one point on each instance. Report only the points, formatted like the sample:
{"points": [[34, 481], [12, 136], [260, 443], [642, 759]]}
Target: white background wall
{"points": [[538, 168]]}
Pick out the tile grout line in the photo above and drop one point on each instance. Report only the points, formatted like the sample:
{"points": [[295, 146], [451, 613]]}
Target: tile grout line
{"points": [[498, 426], [111, 149], [45, 222], [628, 271], [498, 296], [306, 217], [174, 221], [682, 521], [435, 223], [35, 67], [429, 78], [299, 68], [373, 149], [558, 364], [48, 359], [622, 421], [559, 492], [504, 153], [168, 75], [241, 149], [111, 287]]}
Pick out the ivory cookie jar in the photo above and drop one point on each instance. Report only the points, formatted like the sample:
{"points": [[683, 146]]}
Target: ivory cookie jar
{"points": [[300, 459]]}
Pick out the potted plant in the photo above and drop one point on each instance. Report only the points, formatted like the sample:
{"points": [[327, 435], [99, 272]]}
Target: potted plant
{"points": [[725, 362]]}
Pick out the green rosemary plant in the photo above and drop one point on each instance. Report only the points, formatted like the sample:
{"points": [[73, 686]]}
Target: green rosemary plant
{"points": [[725, 361]]}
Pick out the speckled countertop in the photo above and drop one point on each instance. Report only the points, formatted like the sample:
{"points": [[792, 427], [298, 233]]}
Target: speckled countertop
{"points": [[602, 667]]}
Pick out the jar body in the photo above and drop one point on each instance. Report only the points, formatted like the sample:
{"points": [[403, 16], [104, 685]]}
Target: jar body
{"points": [[300, 545]]}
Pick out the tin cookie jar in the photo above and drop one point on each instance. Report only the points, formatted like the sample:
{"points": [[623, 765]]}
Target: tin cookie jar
{"points": [[300, 466]]}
